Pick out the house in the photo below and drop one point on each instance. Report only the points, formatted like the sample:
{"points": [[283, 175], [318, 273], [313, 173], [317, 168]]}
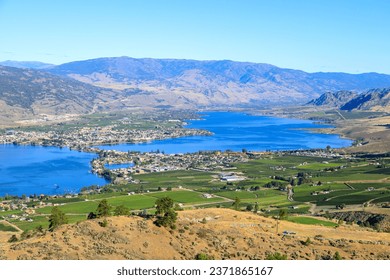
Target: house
{"points": [[230, 178], [207, 195]]}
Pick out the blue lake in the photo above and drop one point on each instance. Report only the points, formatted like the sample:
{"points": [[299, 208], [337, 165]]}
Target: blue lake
{"points": [[235, 131], [119, 165], [44, 170], [49, 170]]}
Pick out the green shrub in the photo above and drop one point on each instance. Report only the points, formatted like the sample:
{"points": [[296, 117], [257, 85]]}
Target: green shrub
{"points": [[202, 256], [276, 256]]}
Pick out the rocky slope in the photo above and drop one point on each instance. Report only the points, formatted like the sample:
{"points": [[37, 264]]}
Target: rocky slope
{"points": [[334, 99], [373, 99], [26, 93], [377, 99], [218, 233], [378, 221]]}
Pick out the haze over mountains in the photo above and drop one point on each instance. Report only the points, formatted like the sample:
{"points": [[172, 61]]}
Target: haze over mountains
{"points": [[26, 64], [123, 82]]}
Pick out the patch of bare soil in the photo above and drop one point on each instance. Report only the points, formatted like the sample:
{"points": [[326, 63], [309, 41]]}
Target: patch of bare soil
{"points": [[219, 233]]}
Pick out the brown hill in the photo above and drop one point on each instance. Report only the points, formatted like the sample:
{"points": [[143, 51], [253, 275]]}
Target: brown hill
{"points": [[219, 233], [211, 83], [29, 93], [376, 99]]}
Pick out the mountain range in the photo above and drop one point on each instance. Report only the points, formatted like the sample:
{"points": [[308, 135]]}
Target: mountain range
{"points": [[26, 64], [28, 92], [373, 99], [33, 88], [214, 83]]}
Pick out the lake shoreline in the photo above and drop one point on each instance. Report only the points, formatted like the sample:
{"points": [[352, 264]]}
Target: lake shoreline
{"points": [[225, 134]]}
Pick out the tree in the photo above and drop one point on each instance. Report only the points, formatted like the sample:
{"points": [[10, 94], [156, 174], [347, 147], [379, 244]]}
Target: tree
{"points": [[236, 203], [121, 210], [103, 209], [56, 218], [256, 209], [249, 207], [283, 214], [166, 215], [91, 216]]}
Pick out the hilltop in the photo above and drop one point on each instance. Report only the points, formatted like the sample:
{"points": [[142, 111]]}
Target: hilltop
{"points": [[26, 64], [218, 233]]}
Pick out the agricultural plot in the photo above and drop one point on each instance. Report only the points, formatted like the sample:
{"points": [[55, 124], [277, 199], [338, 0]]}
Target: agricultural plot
{"points": [[43, 221], [4, 227], [355, 173], [189, 197], [83, 207], [310, 221], [36, 221], [354, 198], [330, 182], [185, 178], [133, 202]]}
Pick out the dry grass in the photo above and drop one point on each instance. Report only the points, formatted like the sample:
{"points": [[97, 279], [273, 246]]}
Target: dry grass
{"points": [[220, 233]]}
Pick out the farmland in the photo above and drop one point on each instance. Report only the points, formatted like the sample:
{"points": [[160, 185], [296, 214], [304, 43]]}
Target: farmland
{"points": [[319, 185]]}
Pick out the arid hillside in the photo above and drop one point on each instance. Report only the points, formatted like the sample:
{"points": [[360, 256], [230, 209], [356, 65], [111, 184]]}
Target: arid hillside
{"points": [[217, 233]]}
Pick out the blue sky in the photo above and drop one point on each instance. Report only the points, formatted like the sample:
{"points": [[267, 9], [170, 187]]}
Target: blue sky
{"points": [[316, 35]]}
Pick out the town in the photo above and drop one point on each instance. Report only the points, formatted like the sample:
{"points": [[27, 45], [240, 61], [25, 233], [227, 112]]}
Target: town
{"points": [[83, 139]]}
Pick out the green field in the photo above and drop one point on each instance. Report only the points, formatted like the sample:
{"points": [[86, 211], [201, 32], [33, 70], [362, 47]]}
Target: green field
{"points": [[37, 221], [44, 221], [83, 207], [4, 227], [187, 179], [310, 221], [189, 197]]}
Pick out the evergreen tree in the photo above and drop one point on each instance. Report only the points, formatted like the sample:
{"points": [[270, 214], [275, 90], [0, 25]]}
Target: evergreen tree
{"points": [[166, 215], [121, 210], [283, 214], [236, 203], [56, 218], [256, 207], [103, 209]]}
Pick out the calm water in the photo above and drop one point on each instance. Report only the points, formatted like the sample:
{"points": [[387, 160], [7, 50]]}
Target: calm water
{"points": [[44, 170], [119, 165], [235, 131], [48, 170]]}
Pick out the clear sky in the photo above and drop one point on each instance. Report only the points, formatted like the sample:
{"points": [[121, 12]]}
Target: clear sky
{"points": [[312, 35]]}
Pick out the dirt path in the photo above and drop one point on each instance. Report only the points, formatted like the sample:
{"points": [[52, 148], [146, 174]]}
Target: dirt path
{"points": [[312, 209], [384, 180]]}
